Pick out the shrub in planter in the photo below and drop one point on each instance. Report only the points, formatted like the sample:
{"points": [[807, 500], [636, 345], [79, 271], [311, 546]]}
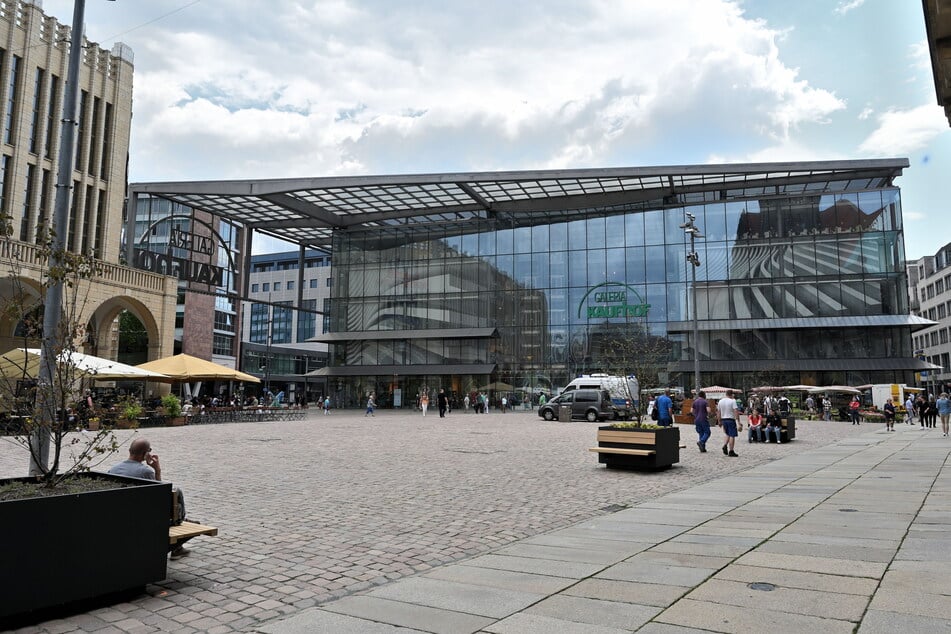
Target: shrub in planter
{"points": [[173, 410]]}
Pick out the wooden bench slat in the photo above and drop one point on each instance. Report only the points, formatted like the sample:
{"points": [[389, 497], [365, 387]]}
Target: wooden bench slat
{"points": [[633, 437], [187, 530], [629, 452]]}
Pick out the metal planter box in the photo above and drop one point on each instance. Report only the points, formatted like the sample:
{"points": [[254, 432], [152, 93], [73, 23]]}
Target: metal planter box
{"points": [[68, 548]]}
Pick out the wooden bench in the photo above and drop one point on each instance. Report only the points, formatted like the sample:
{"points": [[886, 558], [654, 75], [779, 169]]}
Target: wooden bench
{"points": [[178, 535], [645, 449]]}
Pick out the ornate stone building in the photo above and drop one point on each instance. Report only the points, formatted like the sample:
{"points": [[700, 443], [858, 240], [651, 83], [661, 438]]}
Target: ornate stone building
{"points": [[34, 51]]}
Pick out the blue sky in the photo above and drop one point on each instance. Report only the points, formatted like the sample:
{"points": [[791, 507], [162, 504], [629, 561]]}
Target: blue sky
{"points": [[248, 89]]}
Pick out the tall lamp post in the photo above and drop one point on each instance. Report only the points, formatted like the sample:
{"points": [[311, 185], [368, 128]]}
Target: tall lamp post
{"points": [[53, 302], [694, 258]]}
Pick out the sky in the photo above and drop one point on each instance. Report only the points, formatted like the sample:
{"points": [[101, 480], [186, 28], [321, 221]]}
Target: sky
{"points": [[236, 89]]}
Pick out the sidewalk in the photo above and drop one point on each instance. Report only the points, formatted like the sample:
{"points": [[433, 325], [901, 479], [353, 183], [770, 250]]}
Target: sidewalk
{"points": [[848, 537]]}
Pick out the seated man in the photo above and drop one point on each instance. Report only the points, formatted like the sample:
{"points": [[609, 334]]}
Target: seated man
{"points": [[757, 428], [142, 463], [774, 425]]}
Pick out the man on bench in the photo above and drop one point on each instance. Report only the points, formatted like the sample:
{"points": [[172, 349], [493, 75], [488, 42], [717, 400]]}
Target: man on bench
{"points": [[142, 463]]}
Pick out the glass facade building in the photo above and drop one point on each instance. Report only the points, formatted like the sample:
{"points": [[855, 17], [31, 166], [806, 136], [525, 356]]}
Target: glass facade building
{"points": [[517, 282]]}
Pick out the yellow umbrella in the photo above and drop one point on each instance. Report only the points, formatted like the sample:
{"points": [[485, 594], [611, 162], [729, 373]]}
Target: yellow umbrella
{"points": [[184, 367]]}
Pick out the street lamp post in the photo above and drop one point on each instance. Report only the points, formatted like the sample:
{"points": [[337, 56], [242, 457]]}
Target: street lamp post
{"points": [[53, 302], [694, 258]]}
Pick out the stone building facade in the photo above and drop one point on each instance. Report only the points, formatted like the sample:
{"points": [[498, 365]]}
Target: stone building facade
{"points": [[34, 52]]}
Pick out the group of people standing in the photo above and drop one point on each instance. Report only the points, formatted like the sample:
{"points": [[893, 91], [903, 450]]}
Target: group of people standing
{"points": [[928, 409]]}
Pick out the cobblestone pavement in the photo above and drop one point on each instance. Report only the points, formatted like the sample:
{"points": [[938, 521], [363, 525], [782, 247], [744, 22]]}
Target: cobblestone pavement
{"points": [[312, 510]]}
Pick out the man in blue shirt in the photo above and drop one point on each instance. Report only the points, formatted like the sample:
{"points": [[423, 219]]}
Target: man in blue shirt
{"points": [[665, 409]]}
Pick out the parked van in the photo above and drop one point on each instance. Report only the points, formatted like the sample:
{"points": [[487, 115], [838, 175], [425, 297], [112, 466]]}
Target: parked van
{"points": [[624, 391], [592, 405]]}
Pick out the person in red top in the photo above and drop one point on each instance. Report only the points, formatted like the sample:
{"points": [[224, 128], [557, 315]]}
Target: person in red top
{"points": [[854, 410], [756, 427]]}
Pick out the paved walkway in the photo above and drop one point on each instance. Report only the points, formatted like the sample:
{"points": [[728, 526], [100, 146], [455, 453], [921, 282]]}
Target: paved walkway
{"points": [[847, 537]]}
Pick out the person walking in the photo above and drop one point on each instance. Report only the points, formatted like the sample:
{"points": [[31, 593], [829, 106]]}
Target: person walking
{"points": [[921, 406], [826, 408], [701, 422], [889, 410], [443, 402], [371, 404], [931, 412], [910, 410], [665, 409], [728, 413], [326, 406], [424, 403], [944, 411]]}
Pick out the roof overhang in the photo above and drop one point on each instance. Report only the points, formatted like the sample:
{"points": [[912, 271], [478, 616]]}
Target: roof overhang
{"points": [[808, 365], [306, 211], [938, 31], [867, 321], [404, 370]]}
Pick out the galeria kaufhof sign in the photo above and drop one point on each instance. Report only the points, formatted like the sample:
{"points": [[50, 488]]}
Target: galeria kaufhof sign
{"points": [[187, 269], [612, 300]]}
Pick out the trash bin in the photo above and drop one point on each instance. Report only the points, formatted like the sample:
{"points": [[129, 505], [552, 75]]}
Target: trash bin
{"points": [[564, 414]]}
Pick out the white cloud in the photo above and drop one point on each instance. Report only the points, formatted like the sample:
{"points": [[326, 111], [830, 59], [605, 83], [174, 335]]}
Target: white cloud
{"points": [[366, 86], [866, 113], [913, 216], [920, 56], [901, 132], [847, 5]]}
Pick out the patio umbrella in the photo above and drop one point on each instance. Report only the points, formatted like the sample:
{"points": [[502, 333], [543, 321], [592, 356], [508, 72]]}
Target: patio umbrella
{"points": [[25, 362], [498, 386], [184, 367], [767, 388], [717, 392], [19, 364], [100, 369], [843, 389], [798, 388]]}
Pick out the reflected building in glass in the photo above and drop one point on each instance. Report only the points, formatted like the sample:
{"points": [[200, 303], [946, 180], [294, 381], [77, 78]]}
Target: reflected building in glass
{"points": [[519, 281]]}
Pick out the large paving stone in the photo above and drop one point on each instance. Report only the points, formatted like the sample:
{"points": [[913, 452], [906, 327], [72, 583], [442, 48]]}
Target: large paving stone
{"points": [[460, 597], [725, 618], [823, 604], [626, 591], [523, 623], [825, 565], [628, 616], [804, 580], [412, 615]]}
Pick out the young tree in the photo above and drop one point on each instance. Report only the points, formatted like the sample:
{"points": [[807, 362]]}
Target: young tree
{"points": [[43, 414]]}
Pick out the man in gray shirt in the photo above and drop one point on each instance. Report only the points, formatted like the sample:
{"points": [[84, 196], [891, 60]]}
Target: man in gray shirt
{"points": [[144, 464]]}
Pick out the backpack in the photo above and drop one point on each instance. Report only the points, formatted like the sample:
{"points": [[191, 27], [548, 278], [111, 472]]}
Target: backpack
{"points": [[655, 413]]}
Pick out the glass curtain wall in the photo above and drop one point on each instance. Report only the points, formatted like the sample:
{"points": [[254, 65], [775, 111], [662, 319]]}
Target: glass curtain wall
{"points": [[611, 290]]}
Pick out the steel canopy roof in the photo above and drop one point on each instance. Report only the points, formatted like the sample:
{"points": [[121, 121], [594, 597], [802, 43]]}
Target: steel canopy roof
{"points": [[306, 211]]}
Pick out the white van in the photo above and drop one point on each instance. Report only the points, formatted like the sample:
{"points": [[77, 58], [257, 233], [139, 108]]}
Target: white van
{"points": [[624, 391]]}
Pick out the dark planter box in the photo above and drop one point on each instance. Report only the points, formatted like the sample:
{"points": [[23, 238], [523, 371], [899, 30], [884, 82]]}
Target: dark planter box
{"points": [[664, 442], [73, 547], [789, 428]]}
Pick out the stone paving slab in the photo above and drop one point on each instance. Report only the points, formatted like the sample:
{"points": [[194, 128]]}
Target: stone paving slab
{"points": [[716, 617], [523, 623], [412, 615], [502, 579], [801, 580], [627, 591], [628, 616], [460, 597], [825, 604]]}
